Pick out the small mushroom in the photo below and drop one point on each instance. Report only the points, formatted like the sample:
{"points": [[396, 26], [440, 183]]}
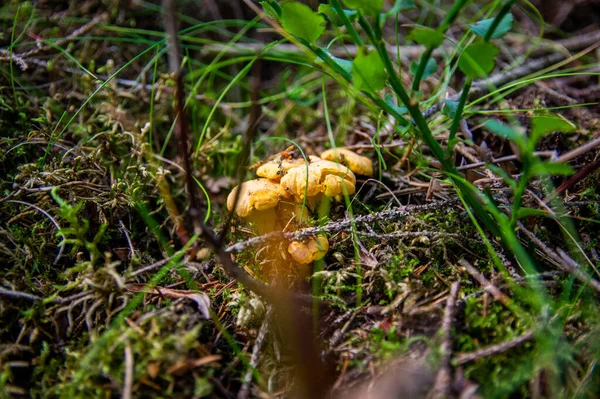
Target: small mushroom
{"points": [[256, 203], [307, 251], [276, 169], [324, 178], [358, 164]]}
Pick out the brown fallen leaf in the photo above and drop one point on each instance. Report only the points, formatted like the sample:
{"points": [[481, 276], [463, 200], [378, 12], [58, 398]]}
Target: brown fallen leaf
{"points": [[200, 298], [189, 364]]}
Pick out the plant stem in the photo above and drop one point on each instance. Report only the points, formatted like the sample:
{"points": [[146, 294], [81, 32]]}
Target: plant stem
{"points": [[450, 18], [425, 133], [324, 55], [342, 14], [520, 190], [458, 115], [412, 106], [421, 69], [452, 14]]}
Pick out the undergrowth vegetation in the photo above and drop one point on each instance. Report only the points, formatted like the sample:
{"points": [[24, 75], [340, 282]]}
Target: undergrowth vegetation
{"points": [[467, 266]]}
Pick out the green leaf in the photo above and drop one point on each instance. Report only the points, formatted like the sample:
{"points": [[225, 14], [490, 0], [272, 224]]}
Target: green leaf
{"points": [[333, 16], [542, 125], [390, 100], [368, 71], [450, 108], [508, 179], [482, 27], [299, 20], [430, 68], [371, 7], [346, 65], [477, 59], [426, 36], [525, 212], [505, 131], [551, 168], [272, 9], [400, 5]]}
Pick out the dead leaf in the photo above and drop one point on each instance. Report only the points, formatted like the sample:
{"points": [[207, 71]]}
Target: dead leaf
{"points": [[189, 364], [200, 298], [153, 369]]}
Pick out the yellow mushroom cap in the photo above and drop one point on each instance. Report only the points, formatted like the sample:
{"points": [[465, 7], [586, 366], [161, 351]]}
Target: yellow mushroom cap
{"points": [[307, 251], [276, 169], [357, 163], [255, 195], [326, 177]]}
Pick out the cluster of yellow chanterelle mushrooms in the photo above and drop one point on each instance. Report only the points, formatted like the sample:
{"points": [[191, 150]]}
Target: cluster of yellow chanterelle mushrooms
{"points": [[285, 183]]}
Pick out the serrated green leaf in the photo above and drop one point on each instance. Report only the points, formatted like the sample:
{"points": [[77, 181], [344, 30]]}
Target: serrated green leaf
{"points": [[332, 15], [482, 27], [506, 132], [299, 20], [371, 7], [450, 108], [430, 68], [477, 60], [542, 125], [368, 71], [551, 168], [400, 5], [426, 36]]}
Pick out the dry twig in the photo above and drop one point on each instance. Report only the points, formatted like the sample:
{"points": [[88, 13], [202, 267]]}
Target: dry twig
{"points": [[244, 391], [485, 283], [441, 388], [563, 261], [463, 358]]}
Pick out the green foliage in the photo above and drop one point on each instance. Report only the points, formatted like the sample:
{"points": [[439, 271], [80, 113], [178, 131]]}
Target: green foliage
{"points": [[272, 9], [544, 124], [506, 132], [299, 20], [400, 5], [428, 37], [75, 233], [333, 17], [95, 367], [477, 59], [430, 68], [368, 71], [371, 7], [346, 65], [450, 108], [482, 27], [167, 342]]}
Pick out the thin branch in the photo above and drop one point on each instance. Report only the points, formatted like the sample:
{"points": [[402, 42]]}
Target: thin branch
{"points": [[441, 388], [343, 225], [485, 283], [19, 57], [129, 369], [244, 391], [180, 130], [20, 295], [463, 358], [590, 145], [563, 261]]}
